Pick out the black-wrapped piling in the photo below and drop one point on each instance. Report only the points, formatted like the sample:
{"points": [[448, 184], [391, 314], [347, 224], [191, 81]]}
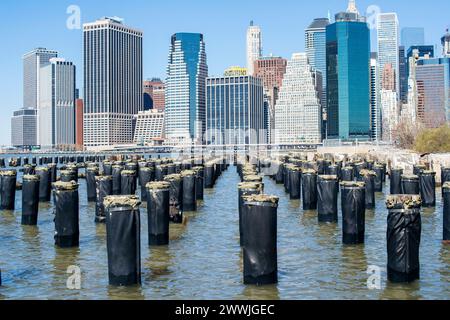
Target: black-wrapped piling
{"points": [[68, 175], [295, 182], [309, 189], [67, 232], [199, 182], [8, 181], [368, 177], [279, 176], [347, 174], [117, 179], [189, 202], [160, 172], [30, 200], [404, 228], [378, 179], [446, 213], [29, 169], [209, 176], [103, 189], [353, 212], [91, 173], [259, 223], [123, 240], [158, 211], [146, 175], [128, 183], [395, 181], [107, 168], [327, 193], [53, 169], [45, 185], [445, 174], [246, 189], [176, 197], [410, 184], [427, 181]]}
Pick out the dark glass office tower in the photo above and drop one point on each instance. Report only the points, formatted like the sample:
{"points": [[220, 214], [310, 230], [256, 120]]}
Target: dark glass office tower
{"points": [[348, 77]]}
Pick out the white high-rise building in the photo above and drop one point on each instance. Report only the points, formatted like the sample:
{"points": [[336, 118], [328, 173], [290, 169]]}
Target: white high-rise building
{"points": [[375, 115], [390, 113], [298, 113], [149, 126], [24, 128], [56, 115], [113, 91], [388, 45], [32, 64], [187, 71], [254, 47]]}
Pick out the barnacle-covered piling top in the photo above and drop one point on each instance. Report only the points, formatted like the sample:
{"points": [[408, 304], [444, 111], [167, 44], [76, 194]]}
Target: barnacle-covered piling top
{"points": [[31, 177], [65, 186], [158, 185], [11, 173], [252, 178], [405, 201], [173, 177], [353, 184], [251, 186], [328, 177], [121, 201], [261, 198]]}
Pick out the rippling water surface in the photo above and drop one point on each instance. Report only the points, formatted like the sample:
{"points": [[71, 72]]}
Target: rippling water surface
{"points": [[204, 260]]}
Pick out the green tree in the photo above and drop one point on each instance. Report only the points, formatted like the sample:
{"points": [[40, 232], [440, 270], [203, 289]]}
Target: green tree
{"points": [[433, 140]]}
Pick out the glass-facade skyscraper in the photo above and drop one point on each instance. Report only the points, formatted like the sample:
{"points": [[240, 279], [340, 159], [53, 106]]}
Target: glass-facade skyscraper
{"points": [[185, 88], [388, 45], [316, 49], [236, 112], [348, 77], [113, 91]]}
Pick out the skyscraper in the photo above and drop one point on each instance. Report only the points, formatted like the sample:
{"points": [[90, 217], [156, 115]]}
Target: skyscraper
{"points": [[185, 89], [235, 110], [298, 115], [254, 46], [154, 94], [79, 110], [149, 126], [32, 64], [24, 128], [375, 116], [388, 45], [433, 90], [271, 70], [403, 74], [57, 104], [348, 78], [112, 82], [412, 36], [316, 49]]}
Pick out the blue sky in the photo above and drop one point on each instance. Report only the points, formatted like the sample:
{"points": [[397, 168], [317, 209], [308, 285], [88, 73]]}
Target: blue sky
{"points": [[27, 24]]}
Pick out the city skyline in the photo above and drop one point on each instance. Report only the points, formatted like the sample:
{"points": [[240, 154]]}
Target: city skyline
{"points": [[155, 43]]}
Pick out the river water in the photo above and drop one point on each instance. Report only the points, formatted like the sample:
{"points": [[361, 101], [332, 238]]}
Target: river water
{"points": [[204, 260]]}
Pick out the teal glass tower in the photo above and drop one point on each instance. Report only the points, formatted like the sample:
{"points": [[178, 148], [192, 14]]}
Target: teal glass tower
{"points": [[348, 76], [185, 89]]}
